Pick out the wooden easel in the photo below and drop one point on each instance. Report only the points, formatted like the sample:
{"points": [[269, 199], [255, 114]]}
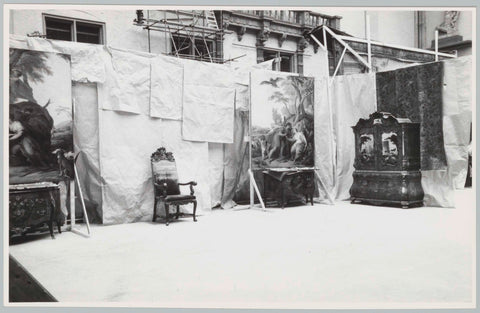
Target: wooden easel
{"points": [[72, 192], [72, 205]]}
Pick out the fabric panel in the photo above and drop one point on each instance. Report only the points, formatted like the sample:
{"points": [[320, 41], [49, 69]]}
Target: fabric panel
{"points": [[86, 138], [416, 93], [457, 116], [126, 170], [438, 188], [353, 97], [86, 59], [324, 137], [166, 97], [215, 162], [208, 114], [208, 102], [127, 85]]}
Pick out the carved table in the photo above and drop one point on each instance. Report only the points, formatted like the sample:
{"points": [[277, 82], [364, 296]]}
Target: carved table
{"points": [[284, 185]]}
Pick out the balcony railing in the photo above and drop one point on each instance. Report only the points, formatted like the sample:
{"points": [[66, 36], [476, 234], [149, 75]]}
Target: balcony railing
{"points": [[307, 18]]}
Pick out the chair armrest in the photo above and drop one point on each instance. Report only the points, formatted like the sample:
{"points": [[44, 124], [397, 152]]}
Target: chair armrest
{"points": [[162, 188], [191, 183]]}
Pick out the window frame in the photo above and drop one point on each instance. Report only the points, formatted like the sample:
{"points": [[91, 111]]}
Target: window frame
{"points": [[73, 27], [278, 54]]}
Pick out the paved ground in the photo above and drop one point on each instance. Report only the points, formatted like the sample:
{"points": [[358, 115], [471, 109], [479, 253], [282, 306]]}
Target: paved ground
{"points": [[316, 257]]}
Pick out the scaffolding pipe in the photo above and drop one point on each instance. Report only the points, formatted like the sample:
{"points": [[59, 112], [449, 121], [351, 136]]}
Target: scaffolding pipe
{"points": [[318, 42], [148, 32], [347, 46], [369, 43], [338, 65], [381, 44]]}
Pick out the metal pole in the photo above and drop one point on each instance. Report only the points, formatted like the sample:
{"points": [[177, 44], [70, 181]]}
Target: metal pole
{"points": [[436, 45], [250, 139], [165, 32], [369, 44], [339, 39], [338, 65], [330, 107], [148, 31]]}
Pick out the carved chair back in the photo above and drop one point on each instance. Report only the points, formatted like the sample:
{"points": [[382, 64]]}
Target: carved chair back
{"points": [[164, 170]]}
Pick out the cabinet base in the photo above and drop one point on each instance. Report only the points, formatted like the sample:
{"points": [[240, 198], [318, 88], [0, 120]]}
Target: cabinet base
{"points": [[401, 188], [402, 204]]}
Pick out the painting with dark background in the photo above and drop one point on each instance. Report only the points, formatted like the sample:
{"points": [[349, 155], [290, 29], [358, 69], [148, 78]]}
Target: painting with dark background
{"points": [[282, 121], [40, 117]]}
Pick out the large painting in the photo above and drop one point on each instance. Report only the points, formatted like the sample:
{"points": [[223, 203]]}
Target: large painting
{"points": [[40, 119], [282, 121]]}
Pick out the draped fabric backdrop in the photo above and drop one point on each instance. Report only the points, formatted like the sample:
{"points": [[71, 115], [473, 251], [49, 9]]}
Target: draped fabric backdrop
{"points": [[416, 93]]}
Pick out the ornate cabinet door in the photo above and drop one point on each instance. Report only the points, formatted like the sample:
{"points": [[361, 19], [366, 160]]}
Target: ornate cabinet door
{"points": [[387, 161]]}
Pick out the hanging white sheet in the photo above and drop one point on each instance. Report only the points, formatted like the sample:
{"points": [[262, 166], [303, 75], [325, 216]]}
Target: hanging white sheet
{"points": [[86, 145], [457, 116], [215, 162], [353, 97], [324, 139], [208, 102], [86, 59], [126, 143], [166, 96], [127, 84]]}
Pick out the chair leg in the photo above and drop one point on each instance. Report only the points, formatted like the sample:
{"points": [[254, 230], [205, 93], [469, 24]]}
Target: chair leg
{"points": [[194, 210], [178, 212], [154, 210], [167, 214]]}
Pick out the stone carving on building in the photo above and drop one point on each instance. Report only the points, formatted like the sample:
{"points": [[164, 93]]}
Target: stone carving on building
{"points": [[241, 31], [263, 36], [449, 25], [302, 44], [282, 39]]}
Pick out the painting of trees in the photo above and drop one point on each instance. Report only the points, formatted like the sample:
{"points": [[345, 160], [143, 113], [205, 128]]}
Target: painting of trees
{"points": [[282, 120]]}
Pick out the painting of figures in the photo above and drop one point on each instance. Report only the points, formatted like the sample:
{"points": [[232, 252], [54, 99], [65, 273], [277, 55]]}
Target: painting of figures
{"points": [[282, 121], [40, 117]]}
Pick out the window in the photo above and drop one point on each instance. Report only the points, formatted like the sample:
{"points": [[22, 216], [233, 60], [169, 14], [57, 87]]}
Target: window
{"points": [[285, 61], [73, 30], [202, 49]]}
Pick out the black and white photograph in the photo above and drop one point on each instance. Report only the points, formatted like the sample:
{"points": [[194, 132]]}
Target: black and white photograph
{"points": [[223, 157]]}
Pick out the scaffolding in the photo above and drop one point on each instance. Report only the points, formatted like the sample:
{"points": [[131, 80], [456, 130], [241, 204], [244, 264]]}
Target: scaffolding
{"points": [[192, 33]]}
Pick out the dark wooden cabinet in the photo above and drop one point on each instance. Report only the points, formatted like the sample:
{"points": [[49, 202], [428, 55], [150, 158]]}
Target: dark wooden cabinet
{"points": [[289, 185], [387, 161], [33, 205]]}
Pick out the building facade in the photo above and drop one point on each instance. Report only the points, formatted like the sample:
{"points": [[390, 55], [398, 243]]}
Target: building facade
{"points": [[252, 36]]}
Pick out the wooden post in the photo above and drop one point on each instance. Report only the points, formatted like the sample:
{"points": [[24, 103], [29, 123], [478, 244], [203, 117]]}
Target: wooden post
{"points": [[71, 198], [81, 198], [257, 191]]}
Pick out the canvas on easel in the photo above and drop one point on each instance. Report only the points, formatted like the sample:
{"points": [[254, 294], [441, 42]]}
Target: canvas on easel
{"points": [[282, 120]]}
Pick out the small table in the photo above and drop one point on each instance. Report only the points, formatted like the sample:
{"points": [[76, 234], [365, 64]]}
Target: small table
{"points": [[282, 184], [32, 205]]}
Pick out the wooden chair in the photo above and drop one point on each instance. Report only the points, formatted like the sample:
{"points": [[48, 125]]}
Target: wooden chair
{"points": [[167, 187]]}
